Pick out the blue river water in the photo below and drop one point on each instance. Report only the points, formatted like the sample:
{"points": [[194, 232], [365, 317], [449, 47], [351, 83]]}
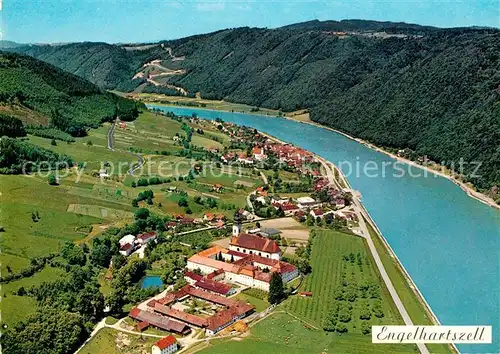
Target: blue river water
{"points": [[447, 241], [151, 281]]}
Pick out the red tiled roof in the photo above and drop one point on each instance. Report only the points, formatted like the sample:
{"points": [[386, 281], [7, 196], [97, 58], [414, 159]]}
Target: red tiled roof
{"points": [[192, 275], [237, 254], [147, 235], [181, 315], [158, 321], [318, 212], [166, 342], [214, 286], [142, 325], [125, 247], [215, 273], [255, 242]]}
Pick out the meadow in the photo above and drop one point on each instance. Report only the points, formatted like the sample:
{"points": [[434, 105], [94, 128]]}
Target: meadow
{"points": [[281, 333], [111, 341]]}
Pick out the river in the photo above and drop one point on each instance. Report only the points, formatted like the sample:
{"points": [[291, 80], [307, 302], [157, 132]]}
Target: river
{"points": [[447, 241]]}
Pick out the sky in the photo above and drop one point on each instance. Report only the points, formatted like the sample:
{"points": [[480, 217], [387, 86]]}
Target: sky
{"points": [[115, 21]]}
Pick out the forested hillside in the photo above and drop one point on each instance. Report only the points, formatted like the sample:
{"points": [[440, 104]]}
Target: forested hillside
{"points": [[435, 91], [31, 88]]}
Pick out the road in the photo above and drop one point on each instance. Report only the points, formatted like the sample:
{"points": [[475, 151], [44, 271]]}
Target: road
{"points": [[361, 214], [140, 159], [111, 132]]}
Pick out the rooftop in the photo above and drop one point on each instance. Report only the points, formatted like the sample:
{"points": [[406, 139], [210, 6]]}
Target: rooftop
{"points": [[166, 342], [255, 242]]}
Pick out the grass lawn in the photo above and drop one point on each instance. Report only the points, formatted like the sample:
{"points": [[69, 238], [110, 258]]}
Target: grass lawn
{"points": [[93, 155], [110, 341], [15, 308], [22, 196], [260, 305], [281, 333]]}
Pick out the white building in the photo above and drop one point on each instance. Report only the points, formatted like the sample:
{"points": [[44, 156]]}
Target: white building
{"points": [[127, 239], [307, 202], [167, 345]]}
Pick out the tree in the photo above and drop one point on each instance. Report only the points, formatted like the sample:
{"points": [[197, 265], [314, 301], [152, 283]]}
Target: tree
{"points": [[183, 202], [341, 328], [89, 143], [142, 213], [276, 289], [53, 142], [73, 254], [135, 204], [365, 328], [50, 330], [134, 185], [52, 180]]}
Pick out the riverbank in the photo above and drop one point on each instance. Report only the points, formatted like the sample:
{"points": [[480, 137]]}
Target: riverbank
{"points": [[466, 188], [236, 108]]}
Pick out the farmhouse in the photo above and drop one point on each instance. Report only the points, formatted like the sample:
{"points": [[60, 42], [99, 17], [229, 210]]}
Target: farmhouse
{"points": [[126, 249], [146, 237], [167, 345]]}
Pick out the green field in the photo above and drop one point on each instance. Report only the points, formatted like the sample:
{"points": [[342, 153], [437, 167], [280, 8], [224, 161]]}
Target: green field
{"points": [[329, 247], [16, 307], [110, 341], [260, 304], [281, 333]]}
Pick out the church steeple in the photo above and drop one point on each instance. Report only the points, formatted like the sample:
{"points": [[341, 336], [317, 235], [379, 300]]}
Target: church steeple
{"points": [[237, 223]]}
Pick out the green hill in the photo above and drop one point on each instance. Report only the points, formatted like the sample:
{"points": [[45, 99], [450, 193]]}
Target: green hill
{"points": [[41, 94], [434, 91]]}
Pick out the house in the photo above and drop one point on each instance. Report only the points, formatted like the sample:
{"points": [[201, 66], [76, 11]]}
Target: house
{"points": [[307, 202], [167, 345], [287, 207], [127, 239], [126, 249], [146, 237], [317, 213], [217, 188], [306, 293], [339, 203]]}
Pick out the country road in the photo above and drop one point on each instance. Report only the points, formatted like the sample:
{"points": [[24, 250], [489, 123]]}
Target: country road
{"points": [[140, 159], [361, 214]]}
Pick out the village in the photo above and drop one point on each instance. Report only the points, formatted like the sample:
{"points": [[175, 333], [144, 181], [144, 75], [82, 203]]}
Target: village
{"points": [[250, 256]]}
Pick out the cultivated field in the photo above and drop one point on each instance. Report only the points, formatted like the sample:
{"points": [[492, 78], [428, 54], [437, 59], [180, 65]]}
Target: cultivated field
{"points": [[332, 273]]}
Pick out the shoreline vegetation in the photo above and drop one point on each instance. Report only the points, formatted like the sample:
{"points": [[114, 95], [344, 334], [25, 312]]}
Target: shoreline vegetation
{"points": [[303, 117], [410, 284]]}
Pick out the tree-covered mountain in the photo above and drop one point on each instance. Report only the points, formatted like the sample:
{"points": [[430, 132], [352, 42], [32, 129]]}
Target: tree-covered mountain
{"points": [[42, 94], [435, 91]]}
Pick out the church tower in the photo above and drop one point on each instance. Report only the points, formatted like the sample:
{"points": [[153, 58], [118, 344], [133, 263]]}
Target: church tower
{"points": [[237, 223]]}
